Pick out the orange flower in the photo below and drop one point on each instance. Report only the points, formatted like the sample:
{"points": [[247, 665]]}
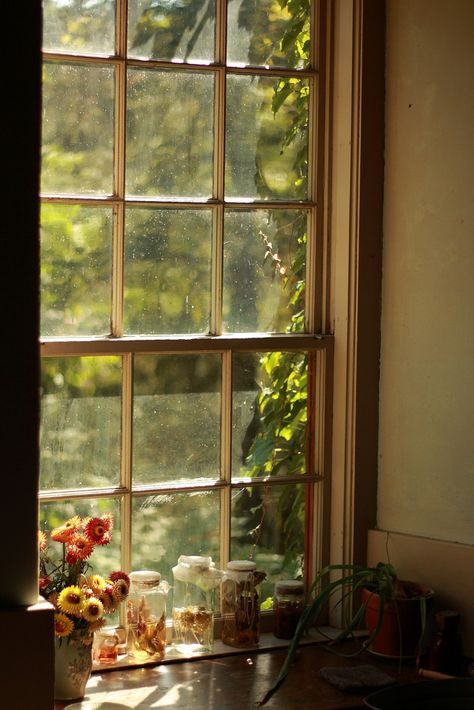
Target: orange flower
{"points": [[63, 625], [81, 546], [98, 530], [66, 531], [42, 540]]}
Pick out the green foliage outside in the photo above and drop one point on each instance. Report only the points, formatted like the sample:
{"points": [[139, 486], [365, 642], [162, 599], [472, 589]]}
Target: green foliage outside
{"points": [[167, 251]]}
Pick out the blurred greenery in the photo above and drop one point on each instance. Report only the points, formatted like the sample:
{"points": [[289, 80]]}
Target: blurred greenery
{"points": [[167, 266]]}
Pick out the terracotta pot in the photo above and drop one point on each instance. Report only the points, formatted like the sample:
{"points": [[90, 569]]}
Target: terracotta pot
{"points": [[400, 632]]}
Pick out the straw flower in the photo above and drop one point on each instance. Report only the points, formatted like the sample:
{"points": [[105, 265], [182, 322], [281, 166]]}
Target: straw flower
{"points": [[81, 598], [63, 625], [92, 609], [70, 600]]}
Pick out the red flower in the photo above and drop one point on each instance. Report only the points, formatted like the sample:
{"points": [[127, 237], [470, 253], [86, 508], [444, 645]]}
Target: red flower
{"points": [[98, 530], [44, 582]]}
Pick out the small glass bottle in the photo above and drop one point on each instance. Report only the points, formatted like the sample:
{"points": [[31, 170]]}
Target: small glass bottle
{"points": [[240, 604], [146, 615], [196, 580], [288, 605]]}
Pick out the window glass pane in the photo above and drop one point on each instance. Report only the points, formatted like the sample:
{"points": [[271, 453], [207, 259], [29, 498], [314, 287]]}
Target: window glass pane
{"points": [[167, 525], [176, 417], [81, 26], [167, 270], [268, 526], [172, 30], [80, 422], [269, 410], [169, 133], [266, 144], [268, 33], [264, 270], [106, 558], [76, 263], [77, 143]]}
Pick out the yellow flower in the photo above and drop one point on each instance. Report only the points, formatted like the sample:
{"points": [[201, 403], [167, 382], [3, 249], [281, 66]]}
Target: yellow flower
{"points": [[96, 583], [63, 625], [70, 600], [92, 609]]}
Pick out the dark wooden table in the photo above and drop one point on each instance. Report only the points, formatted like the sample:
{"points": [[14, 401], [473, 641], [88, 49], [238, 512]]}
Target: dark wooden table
{"points": [[238, 681]]}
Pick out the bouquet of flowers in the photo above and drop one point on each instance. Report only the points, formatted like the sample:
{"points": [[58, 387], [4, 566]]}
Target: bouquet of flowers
{"points": [[81, 599]]}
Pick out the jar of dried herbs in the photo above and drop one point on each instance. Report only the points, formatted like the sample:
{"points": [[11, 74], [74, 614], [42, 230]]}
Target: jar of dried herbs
{"points": [[146, 615], [288, 605], [240, 604], [195, 584]]}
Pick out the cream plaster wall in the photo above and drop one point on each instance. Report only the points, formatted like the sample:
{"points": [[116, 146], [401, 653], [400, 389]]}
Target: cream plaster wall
{"points": [[426, 440]]}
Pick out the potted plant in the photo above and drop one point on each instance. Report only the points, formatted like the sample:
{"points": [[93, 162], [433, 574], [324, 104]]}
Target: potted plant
{"points": [[382, 606]]}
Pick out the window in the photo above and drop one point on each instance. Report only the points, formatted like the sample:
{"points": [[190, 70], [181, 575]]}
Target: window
{"points": [[183, 363]]}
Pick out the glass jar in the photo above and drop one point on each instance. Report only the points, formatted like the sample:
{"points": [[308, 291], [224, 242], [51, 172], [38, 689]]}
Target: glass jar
{"points": [[288, 605], [146, 615], [240, 604], [196, 580]]}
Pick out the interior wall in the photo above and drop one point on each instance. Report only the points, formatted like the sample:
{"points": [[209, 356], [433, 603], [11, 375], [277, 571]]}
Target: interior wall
{"points": [[426, 442], [426, 445]]}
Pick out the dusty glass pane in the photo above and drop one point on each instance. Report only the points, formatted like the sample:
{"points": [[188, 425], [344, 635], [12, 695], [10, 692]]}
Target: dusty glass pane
{"points": [[172, 30], [77, 141], [81, 26], [105, 559], [176, 417], [169, 133], [167, 270], [76, 263], [268, 33], [269, 414], [266, 138], [167, 525], [267, 525], [264, 270], [80, 422]]}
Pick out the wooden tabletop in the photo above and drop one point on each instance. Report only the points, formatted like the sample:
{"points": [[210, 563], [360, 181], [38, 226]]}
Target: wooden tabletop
{"points": [[238, 681]]}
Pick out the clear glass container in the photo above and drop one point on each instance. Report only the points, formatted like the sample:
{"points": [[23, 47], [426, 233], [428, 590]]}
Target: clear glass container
{"points": [[195, 586], [288, 605], [240, 604], [146, 615]]}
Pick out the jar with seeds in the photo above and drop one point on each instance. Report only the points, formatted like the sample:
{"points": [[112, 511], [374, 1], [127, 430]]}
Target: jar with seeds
{"points": [[146, 615], [195, 585]]}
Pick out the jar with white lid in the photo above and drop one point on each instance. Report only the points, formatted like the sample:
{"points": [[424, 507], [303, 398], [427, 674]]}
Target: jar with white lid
{"points": [[288, 605], [240, 604], [146, 615], [195, 585]]}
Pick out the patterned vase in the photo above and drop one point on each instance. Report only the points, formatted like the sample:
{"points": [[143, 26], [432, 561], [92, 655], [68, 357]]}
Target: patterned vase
{"points": [[73, 665]]}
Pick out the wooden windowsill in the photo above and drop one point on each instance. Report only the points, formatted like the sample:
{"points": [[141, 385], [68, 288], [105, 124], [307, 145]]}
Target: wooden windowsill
{"points": [[236, 680]]}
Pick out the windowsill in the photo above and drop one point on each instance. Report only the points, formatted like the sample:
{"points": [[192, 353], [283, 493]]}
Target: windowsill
{"points": [[268, 642], [234, 679]]}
